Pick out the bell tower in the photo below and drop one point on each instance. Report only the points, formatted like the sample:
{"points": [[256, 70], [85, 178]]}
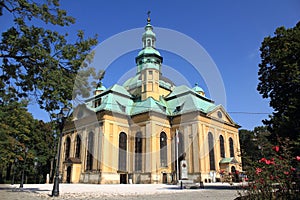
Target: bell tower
{"points": [[149, 63]]}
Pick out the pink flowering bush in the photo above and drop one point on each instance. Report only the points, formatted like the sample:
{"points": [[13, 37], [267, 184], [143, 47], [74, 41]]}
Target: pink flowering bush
{"points": [[274, 177]]}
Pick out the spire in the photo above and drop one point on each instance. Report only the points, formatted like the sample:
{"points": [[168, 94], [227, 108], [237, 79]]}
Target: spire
{"points": [[149, 56], [100, 87], [149, 36]]}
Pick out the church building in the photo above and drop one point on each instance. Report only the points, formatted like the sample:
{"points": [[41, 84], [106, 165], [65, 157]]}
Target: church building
{"points": [[139, 132]]}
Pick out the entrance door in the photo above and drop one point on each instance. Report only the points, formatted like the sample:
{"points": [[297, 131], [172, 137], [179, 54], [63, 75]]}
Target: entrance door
{"points": [[69, 169], [123, 178], [165, 179], [235, 175]]}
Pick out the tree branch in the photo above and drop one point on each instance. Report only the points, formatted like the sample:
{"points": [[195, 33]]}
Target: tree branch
{"points": [[5, 6], [13, 56]]}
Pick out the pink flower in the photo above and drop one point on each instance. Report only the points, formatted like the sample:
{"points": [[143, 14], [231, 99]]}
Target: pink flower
{"points": [[276, 148], [269, 162], [298, 158], [263, 160], [293, 169], [258, 170], [286, 173]]}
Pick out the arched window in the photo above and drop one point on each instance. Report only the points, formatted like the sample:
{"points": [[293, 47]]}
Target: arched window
{"points": [[122, 151], [68, 145], [222, 147], [78, 146], [148, 42], [138, 151], [231, 148], [180, 141], [90, 152], [212, 164], [163, 150]]}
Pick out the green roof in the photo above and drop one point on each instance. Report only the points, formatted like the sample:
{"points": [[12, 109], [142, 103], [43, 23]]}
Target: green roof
{"points": [[198, 89], [149, 50], [180, 101], [102, 88], [231, 160], [188, 100], [147, 105], [133, 82], [119, 89]]}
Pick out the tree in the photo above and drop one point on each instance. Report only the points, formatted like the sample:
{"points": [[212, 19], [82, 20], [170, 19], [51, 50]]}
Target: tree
{"points": [[254, 145], [18, 131], [279, 80], [38, 61], [43, 144]]}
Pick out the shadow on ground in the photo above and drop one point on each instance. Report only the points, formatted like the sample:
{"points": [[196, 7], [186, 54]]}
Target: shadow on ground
{"points": [[208, 187], [16, 189]]}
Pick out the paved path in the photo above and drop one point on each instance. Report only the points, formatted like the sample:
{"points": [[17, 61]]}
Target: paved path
{"points": [[118, 192]]}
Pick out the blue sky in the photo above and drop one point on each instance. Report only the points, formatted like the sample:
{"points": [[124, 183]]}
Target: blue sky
{"points": [[230, 31]]}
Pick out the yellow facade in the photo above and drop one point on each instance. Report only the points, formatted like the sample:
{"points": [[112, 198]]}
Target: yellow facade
{"points": [[105, 159]]}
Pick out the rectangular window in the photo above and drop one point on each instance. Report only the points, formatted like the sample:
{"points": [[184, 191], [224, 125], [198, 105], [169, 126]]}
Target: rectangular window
{"points": [[97, 103], [150, 75], [150, 87]]}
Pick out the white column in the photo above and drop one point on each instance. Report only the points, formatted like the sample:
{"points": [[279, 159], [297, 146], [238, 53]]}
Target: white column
{"points": [[195, 147]]}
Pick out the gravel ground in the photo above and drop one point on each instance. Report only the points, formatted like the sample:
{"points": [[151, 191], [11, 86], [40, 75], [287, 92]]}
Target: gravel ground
{"points": [[117, 192]]}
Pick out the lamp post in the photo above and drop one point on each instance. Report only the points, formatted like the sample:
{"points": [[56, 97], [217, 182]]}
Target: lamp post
{"points": [[23, 170], [36, 168], [61, 119], [14, 171]]}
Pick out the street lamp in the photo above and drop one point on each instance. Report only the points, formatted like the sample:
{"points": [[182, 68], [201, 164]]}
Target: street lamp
{"points": [[61, 119], [36, 169], [22, 179], [14, 171]]}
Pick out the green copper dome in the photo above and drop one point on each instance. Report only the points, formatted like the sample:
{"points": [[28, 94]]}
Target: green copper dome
{"points": [[102, 88], [197, 88], [149, 50]]}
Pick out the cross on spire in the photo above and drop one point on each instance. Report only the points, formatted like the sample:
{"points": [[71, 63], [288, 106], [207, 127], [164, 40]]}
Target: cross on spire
{"points": [[148, 13]]}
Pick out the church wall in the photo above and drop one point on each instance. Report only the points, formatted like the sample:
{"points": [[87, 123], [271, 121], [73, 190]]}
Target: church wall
{"points": [[216, 128], [76, 168], [163, 92], [194, 127]]}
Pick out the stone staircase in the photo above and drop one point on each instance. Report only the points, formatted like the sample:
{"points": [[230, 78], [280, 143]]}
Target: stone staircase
{"points": [[189, 184]]}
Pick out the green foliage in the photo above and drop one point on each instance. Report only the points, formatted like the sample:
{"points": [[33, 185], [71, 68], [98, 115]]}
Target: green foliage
{"points": [[18, 131], [274, 176], [279, 80], [273, 171], [38, 61], [254, 144]]}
